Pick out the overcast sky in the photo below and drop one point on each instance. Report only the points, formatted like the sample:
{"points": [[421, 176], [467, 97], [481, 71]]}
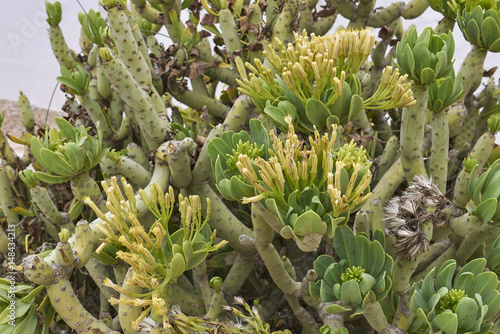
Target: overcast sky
{"points": [[27, 62]]}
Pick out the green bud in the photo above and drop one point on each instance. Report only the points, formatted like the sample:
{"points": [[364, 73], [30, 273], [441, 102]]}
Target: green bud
{"points": [[28, 177], [494, 123], [2, 116], [145, 26], [108, 3], [187, 249], [54, 13], [450, 300], [64, 235], [105, 54], [353, 273], [177, 266], [216, 283], [177, 249], [469, 163]]}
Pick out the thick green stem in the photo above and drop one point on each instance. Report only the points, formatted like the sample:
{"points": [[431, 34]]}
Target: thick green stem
{"points": [[448, 254], [404, 268], [201, 282], [136, 153], [461, 189], [241, 268], [239, 114], [365, 8], [225, 75], [127, 46], [7, 154], [482, 234], [83, 185], [98, 272], [202, 170], [438, 163], [176, 153], [68, 306], [414, 9], [445, 26], [26, 113], [375, 316], [264, 236], [147, 12], [371, 213], [388, 157], [482, 149], [47, 206], [175, 27], [456, 114], [324, 24], [282, 28], [465, 224], [7, 202], [403, 317], [307, 321], [346, 8], [133, 171], [154, 128], [215, 305], [412, 134], [230, 34], [334, 320], [435, 250], [472, 70], [197, 101], [4, 242], [189, 302], [60, 49], [222, 219], [128, 313]]}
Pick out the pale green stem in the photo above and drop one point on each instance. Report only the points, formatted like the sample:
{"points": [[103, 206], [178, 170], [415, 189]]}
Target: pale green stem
{"points": [[412, 134], [482, 234]]}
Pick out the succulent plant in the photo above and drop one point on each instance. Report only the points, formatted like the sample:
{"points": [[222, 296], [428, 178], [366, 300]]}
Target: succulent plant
{"points": [[443, 92], [66, 153], [18, 307], [483, 191], [359, 280], [456, 304], [427, 57], [284, 177], [480, 24], [255, 103], [316, 84]]}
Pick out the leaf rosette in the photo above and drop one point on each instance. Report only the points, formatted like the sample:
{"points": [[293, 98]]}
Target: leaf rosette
{"points": [[66, 153], [310, 188], [363, 274], [427, 57], [443, 92], [480, 25], [484, 191], [460, 304]]}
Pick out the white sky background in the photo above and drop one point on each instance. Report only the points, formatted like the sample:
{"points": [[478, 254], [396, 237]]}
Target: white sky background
{"points": [[27, 62]]}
